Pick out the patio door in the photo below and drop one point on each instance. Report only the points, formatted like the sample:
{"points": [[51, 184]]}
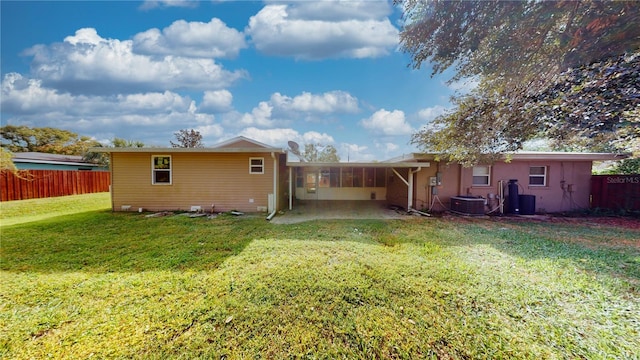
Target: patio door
{"points": [[311, 183]]}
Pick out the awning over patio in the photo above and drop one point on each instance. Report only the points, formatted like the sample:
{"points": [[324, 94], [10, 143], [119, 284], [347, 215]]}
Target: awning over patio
{"points": [[339, 180]]}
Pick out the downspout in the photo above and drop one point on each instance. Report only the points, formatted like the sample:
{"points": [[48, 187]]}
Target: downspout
{"points": [[113, 209], [275, 187]]}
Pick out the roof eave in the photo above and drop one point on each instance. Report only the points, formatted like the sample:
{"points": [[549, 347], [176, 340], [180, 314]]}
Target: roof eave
{"points": [[185, 150], [358, 164]]}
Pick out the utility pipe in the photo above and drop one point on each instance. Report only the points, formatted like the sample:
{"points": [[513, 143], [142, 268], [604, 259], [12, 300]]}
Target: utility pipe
{"points": [[275, 187]]}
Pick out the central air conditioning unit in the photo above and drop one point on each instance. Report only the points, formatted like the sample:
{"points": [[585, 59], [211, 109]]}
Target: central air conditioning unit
{"points": [[467, 205]]}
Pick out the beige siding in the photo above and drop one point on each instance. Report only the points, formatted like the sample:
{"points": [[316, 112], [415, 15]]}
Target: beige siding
{"points": [[200, 179]]}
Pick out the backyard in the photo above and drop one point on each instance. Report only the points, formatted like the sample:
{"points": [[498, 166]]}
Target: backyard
{"points": [[79, 281]]}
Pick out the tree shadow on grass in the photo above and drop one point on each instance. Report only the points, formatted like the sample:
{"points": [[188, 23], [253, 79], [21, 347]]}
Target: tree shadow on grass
{"points": [[103, 242], [600, 250]]}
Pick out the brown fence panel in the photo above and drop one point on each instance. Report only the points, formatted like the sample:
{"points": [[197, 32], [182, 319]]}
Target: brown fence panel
{"points": [[32, 184], [616, 192]]}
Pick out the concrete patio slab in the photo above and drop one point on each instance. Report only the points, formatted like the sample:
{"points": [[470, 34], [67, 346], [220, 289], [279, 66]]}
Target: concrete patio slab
{"points": [[337, 209]]}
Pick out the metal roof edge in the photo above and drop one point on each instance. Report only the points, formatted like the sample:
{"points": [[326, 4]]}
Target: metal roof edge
{"points": [[359, 164], [185, 150]]}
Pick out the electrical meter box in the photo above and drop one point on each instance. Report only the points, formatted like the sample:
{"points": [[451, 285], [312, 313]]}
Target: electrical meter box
{"points": [[433, 181]]}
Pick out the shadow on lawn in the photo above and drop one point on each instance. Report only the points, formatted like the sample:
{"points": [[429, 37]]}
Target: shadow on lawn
{"points": [[601, 250], [105, 242]]}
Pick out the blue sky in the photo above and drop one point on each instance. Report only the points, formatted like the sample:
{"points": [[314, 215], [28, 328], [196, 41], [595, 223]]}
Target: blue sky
{"points": [[327, 72]]}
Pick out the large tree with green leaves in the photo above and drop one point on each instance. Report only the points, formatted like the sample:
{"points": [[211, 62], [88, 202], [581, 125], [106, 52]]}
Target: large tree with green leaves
{"points": [[533, 61], [46, 139], [320, 153]]}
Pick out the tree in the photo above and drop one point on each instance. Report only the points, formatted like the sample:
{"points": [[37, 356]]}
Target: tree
{"points": [[47, 140], [520, 51], [628, 167], [6, 161], [120, 143], [103, 159], [187, 139], [320, 153]]}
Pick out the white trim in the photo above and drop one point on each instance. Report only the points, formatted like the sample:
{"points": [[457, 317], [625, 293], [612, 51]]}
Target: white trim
{"points": [[543, 176], [153, 170], [487, 175], [251, 166]]}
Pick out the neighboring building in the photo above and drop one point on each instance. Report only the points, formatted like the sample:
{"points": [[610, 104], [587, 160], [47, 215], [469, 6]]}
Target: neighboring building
{"points": [[245, 175], [240, 174], [45, 161]]}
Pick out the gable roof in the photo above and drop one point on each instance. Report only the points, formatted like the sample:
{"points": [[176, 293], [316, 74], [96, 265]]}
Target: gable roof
{"points": [[241, 142], [238, 144]]}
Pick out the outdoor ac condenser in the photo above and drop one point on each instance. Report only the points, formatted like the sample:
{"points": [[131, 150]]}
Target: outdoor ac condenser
{"points": [[467, 205]]}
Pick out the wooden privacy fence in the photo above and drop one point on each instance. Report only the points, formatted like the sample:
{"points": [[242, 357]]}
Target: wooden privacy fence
{"points": [[33, 184], [616, 192]]}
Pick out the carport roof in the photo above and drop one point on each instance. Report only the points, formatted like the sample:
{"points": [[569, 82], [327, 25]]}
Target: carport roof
{"points": [[358, 164]]}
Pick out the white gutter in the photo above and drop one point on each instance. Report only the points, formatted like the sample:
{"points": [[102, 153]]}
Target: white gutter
{"points": [[275, 187]]}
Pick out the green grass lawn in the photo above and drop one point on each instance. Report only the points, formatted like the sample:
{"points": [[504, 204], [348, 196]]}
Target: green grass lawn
{"points": [[119, 285]]}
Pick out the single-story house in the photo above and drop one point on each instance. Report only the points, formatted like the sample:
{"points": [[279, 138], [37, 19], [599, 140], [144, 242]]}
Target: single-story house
{"points": [[46, 161], [240, 174], [246, 175]]}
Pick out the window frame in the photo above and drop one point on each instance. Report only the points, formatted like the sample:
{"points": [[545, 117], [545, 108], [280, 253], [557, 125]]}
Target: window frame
{"points": [[252, 166], [154, 170], [487, 175], [543, 176]]}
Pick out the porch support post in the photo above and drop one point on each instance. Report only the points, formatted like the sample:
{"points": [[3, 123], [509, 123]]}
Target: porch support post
{"points": [[409, 184], [410, 192], [290, 188]]}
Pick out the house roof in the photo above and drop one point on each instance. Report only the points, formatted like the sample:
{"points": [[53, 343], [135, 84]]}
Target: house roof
{"points": [[527, 155], [238, 144], [358, 164], [46, 158]]}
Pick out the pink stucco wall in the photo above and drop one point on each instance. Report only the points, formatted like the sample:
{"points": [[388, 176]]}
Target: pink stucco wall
{"points": [[554, 197]]}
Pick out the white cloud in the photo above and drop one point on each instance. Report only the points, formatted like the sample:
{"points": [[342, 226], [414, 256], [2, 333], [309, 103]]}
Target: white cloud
{"points": [[329, 102], [390, 147], [430, 113], [280, 109], [212, 131], [21, 95], [281, 136], [144, 116], [339, 10], [299, 31], [355, 152], [314, 137], [88, 63], [387, 123], [152, 4], [259, 116], [191, 39], [216, 101]]}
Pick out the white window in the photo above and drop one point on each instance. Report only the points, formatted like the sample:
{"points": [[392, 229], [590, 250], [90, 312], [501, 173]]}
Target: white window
{"points": [[482, 175], [161, 169], [537, 176], [256, 165]]}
